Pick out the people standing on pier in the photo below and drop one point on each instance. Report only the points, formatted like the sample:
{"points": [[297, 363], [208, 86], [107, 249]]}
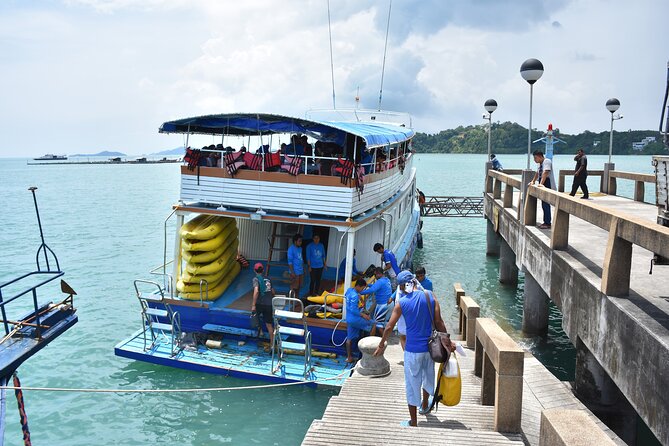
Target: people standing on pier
{"points": [[262, 301], [580, 174], [389, 263], [296, 265], [418, 365], [424, 281], [545, 177], [356, 321], [316, 260]]}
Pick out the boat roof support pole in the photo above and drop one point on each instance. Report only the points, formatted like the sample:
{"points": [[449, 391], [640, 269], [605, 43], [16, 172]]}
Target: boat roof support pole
{"points": [[176, 272], [348, 275]]}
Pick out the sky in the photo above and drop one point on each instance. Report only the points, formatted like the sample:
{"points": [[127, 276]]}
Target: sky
{"points": [[81, 76]]}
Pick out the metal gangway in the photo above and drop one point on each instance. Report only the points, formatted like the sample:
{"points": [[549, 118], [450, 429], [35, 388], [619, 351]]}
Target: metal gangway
{"points": [[452, 207]]}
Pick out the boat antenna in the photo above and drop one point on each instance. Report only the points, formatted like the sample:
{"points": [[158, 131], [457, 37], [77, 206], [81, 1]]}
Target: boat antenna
{"points": [[357, 98], [385, 48], [334, 106], [43, 246]]}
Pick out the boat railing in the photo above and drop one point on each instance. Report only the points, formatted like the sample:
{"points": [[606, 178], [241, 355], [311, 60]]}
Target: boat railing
{"points": [[167, 277], [48, 276]]}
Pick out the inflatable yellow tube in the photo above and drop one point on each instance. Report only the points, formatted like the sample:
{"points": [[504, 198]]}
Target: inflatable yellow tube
{"points": [[205, 227], [211, 268], [209, 256], [216, 277], [215, 291], [330, 299], [211, 244]]}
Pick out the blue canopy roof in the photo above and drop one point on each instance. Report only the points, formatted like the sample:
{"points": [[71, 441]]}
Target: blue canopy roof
{"points": [[374, 133]]}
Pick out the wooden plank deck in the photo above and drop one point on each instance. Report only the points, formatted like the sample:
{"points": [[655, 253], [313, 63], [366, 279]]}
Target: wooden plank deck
{"points": [[368, 411]]}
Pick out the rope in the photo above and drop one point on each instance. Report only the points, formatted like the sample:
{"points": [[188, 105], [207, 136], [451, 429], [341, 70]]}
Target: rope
{"points": [[18, 388], [22, 410], [385, 48]]}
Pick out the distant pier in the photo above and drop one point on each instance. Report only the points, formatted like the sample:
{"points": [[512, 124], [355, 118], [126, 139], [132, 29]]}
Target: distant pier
{"points": [[109, 161]]}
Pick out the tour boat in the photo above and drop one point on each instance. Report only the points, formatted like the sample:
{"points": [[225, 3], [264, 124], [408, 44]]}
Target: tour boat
{"points": [[356, 187], [51, 157]]}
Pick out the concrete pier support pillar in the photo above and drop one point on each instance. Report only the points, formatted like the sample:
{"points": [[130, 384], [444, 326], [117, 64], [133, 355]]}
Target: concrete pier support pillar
{"points": [[597, 390], [535, 307], [492, 240], [508, 271], [608, 167]]}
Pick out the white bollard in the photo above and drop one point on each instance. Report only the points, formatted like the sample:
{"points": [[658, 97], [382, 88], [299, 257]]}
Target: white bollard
{"points": [[370, 365]]}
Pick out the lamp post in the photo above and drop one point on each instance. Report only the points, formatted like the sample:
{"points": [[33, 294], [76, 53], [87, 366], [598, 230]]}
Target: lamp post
{"points": [[531, 70], [490, 106], [612, 105]]}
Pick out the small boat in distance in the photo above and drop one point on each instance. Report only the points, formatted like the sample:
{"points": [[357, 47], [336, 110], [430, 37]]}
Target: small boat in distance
{"points": [[51, 157]]}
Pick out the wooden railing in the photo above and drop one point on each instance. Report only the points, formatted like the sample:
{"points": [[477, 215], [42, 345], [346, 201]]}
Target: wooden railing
{"points": [[625, 230], [639, 182], [468, 311], [494, 186], [591, 173], [499, 361], [570, 427]]}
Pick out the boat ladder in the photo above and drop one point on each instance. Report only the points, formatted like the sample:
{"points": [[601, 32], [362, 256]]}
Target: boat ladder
{"points": [[158, 322], [272, 240], [284, 309]]}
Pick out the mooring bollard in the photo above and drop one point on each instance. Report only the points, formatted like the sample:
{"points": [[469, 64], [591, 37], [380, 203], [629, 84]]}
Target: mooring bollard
{"points": [[371, 365]]}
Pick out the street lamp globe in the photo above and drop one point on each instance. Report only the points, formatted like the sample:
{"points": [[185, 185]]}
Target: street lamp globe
{"points": [[612, 105], [490, 105], [532, 70]]}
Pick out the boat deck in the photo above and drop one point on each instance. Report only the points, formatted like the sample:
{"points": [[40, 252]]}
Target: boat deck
{"points": [[237, 358]]}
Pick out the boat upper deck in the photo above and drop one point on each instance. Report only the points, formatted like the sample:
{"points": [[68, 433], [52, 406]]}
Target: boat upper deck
{"points": [[337, 168]]}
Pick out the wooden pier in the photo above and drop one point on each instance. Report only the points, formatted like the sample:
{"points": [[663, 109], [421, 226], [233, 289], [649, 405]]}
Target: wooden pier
{"points": [[368, 411]]}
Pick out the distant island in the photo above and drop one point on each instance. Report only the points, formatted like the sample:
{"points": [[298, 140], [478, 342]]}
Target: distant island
{"points": [[103, 153], [177, 151], [510, 137]]}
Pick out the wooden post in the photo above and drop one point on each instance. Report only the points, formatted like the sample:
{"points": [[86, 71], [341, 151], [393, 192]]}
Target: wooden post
{"points": [[497, 189], [478, 357], [488, 184], [617, 263], [612, 185], [488, 381], [639, 191], [508, 196], [560, 232], [530, 212], [561, 180]]}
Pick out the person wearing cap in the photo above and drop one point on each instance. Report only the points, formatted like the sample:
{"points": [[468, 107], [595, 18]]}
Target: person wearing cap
{"points": [[296, 265], [262, 301], [389, 263], [356, 321], [418, 365], [496, 165]]}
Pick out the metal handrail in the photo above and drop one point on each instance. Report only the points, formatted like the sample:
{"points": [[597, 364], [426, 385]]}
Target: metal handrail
{"points": [[168, 286], [206, 290]]}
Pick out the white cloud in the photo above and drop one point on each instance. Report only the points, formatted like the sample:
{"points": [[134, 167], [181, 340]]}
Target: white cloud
{"points": [[95, 74]]}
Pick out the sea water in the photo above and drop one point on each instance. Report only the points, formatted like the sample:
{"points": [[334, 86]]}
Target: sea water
{"points": [[106, 225]]}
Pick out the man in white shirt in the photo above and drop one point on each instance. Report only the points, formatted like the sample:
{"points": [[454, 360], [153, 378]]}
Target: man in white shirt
{"points": [[545, 177]]}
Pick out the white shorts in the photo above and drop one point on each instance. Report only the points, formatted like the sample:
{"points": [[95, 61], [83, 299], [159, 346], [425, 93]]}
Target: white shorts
{"points": [[418, 373], [402, 326]]}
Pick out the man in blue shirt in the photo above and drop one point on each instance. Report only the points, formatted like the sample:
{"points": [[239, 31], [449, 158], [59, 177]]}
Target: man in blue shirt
{"points": [[389, 263], [342, 268], [296, 265], [383, 293], [418, 365], [316, 261], [423, 280], [356, 321]]}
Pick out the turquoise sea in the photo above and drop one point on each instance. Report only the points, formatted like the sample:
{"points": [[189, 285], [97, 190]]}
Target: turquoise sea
{"points": [[105, 223]]}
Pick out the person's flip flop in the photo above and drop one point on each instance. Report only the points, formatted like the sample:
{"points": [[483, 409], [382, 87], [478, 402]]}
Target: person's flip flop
{"points": [[429, 407], [406, 423]]}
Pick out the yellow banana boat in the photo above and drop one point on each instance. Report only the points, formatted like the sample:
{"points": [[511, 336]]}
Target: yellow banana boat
{"points": [[211, 244], [214, 291], [216, 277], [205, 227], [209, 256], [211, 268]]}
